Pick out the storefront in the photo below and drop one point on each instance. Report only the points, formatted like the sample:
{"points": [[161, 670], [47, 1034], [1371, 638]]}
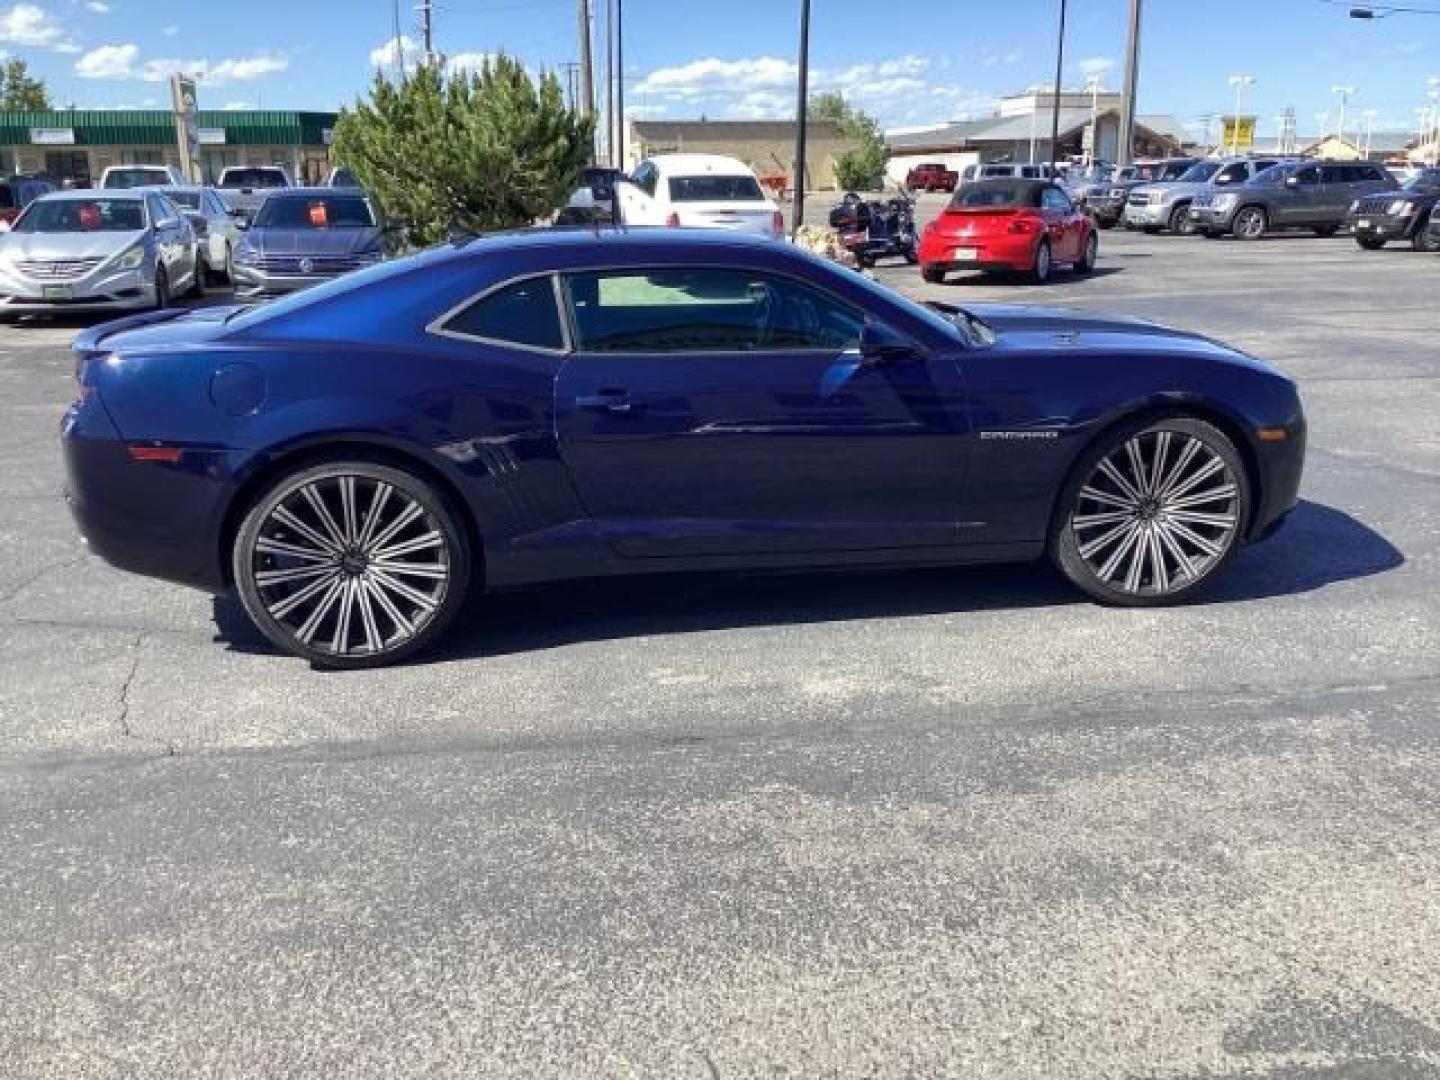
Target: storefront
{"points": [[76, 146]]}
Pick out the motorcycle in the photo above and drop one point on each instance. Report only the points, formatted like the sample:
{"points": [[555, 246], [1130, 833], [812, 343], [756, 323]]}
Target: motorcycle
{"points": [[875, 229]]}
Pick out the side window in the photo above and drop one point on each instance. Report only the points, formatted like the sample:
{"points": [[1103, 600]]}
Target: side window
{"points": [[520, 314], [646, 177], [1055, 199], [1308, 175], [1231, 174], [705, 310], [1334, 174]]}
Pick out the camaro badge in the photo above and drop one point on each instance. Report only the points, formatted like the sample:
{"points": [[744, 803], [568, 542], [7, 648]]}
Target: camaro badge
{"points": [[1019, 435]]}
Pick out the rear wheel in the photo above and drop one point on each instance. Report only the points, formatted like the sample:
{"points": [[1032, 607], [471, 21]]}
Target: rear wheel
{"points": [[934, 275], [351, 564], [1370, 243], [1326, 230], [1152, 513], [1251, 223], [197, 279], [1090, 254], [1040, 268], [1425, 239], [162, 287]]}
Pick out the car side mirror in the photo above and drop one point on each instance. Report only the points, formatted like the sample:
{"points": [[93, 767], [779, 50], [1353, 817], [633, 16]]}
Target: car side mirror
{"points": [[880, 345]]}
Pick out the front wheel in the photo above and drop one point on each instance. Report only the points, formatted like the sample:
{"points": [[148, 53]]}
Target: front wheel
{"points": [[1326, 230], [1181, 222], [1152, 513], [1040, 268], [933, 275], [1090, 254], [351, 564], [1251, 223], [1370, 243]]}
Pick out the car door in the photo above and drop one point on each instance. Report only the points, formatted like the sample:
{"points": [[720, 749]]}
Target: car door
{"points": [[1299, 198], [1068, 230], [725, 411]]}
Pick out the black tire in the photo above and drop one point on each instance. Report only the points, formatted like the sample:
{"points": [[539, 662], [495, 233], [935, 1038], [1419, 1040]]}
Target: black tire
{"points": [[1425, 239], [911, 256], [1149, 230], [1250, 223], [390, 634], [1370, 243], [1089, 256], [1070, 553], [162, 288], [1181, 223], [1042, 266], [1212, 234], [1326, 231], [934, 275], [865, 262]]}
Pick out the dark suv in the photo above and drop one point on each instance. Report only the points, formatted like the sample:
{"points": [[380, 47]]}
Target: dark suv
{"points": [[1398, 215], [1312, 195]]}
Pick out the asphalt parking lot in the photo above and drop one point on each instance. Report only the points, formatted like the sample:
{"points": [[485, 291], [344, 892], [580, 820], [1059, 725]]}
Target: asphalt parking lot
{"points": [[942, 823]]}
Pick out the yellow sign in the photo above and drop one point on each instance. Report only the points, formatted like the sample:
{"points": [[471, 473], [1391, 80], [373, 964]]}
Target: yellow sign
{"points": [[1239, 132]]}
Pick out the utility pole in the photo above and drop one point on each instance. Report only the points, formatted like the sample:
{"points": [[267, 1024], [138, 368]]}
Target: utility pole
{"points": [[1055, 99], [1344, 93], [1132, 80], [802, 109], [427, 30], [1093, 85], [587, 61], [620, 147], [398, 40], [1238, 83], [610, 83]]}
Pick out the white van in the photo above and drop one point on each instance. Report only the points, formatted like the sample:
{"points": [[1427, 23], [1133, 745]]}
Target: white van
{"points": [[996, 170], [699, 191], [133, 176]]}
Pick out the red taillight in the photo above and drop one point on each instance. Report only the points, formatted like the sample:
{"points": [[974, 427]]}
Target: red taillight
{"points": [[168, 454], [777, 223], [673, 220], [1023, 223]]}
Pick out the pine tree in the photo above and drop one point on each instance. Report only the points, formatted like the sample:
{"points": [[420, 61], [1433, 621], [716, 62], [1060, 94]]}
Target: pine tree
{"points": [[468, 152]]}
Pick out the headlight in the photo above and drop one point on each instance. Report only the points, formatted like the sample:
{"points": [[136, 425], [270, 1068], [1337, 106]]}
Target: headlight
{"points": [[130, 258], [1401, 206]]}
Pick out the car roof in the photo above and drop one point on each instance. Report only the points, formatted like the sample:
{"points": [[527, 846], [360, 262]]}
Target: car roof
{"points": [[316, 191], [95, 193], [719, 164], [1027, 184]]}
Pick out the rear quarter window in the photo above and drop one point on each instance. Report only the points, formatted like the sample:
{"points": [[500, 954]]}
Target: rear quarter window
{"points": [[523, 314]]}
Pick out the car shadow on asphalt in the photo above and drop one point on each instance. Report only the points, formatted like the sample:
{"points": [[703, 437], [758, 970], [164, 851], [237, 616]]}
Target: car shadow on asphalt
{"points": [[1059, 277], [61, 320], [1318, 546]]}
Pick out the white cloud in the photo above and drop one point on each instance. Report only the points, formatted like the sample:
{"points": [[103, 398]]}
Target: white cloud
{"points": [[238, 106], [467, 62], [1095, 65], [712, 75], [108, 62], [403, 47], [123, 62], [98, 7], [26, 24]]}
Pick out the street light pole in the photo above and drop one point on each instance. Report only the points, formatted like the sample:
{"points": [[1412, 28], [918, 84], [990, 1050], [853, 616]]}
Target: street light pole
{"points": [[1055, 99], [1130, 86], [802, 109], [1093, 85], [619, 118], [1344, 93]]}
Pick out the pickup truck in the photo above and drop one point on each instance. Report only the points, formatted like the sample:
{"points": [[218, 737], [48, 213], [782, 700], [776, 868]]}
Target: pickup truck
{"points": [[931, 177], [244, 187]]}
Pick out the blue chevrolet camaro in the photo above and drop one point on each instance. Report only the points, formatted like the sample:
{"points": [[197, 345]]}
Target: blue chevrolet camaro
{"points": [[552, 404]]}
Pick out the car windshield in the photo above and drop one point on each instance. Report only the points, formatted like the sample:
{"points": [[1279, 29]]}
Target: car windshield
{"points": [[1200, 172], [315, 212], [82, 215], [133, 178], [715, 189], [190, 200], [1172, 171], [1426, 181], [344, 178], [253, 178], [982, 196]]}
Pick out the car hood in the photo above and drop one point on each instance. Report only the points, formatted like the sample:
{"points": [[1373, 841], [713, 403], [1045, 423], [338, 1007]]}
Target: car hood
{"points": [[312, 241], [77, 245], [1178, 187], [1083, 334]]}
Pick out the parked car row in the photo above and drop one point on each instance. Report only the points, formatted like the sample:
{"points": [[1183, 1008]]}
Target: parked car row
{"points": [[131, 247]]}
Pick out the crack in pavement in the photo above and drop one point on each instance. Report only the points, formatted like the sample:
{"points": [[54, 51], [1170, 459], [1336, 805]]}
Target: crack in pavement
{"points": [[42, 572], [123, 720]]}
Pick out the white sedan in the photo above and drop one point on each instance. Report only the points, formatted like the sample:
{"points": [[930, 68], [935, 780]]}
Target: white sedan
{"points": [[702, 191]]}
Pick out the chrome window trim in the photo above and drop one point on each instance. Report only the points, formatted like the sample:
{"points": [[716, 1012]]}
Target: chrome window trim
{"points": [[437, 327]]}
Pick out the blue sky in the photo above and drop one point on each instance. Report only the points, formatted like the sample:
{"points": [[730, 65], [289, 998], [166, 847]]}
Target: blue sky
{"points": [[909, 64]]}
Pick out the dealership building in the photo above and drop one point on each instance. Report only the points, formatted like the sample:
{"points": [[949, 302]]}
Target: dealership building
{"points": [[77, 145]]}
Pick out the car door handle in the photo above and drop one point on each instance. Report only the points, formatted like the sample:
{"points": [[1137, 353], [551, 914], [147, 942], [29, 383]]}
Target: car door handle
{"points": [[615, 401]]}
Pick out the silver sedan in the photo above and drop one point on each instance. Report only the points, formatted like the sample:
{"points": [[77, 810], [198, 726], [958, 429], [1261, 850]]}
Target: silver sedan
{"points": [[88, 251], [215, 227]]}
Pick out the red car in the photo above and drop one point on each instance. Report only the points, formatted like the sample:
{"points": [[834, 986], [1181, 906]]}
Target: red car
{"points": [[1027, 226], [931, 176]]}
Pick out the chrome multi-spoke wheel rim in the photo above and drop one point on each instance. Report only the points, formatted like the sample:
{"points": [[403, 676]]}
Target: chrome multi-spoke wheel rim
{"points": [[1250, 223], [350, 565], [1157, 514]]}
